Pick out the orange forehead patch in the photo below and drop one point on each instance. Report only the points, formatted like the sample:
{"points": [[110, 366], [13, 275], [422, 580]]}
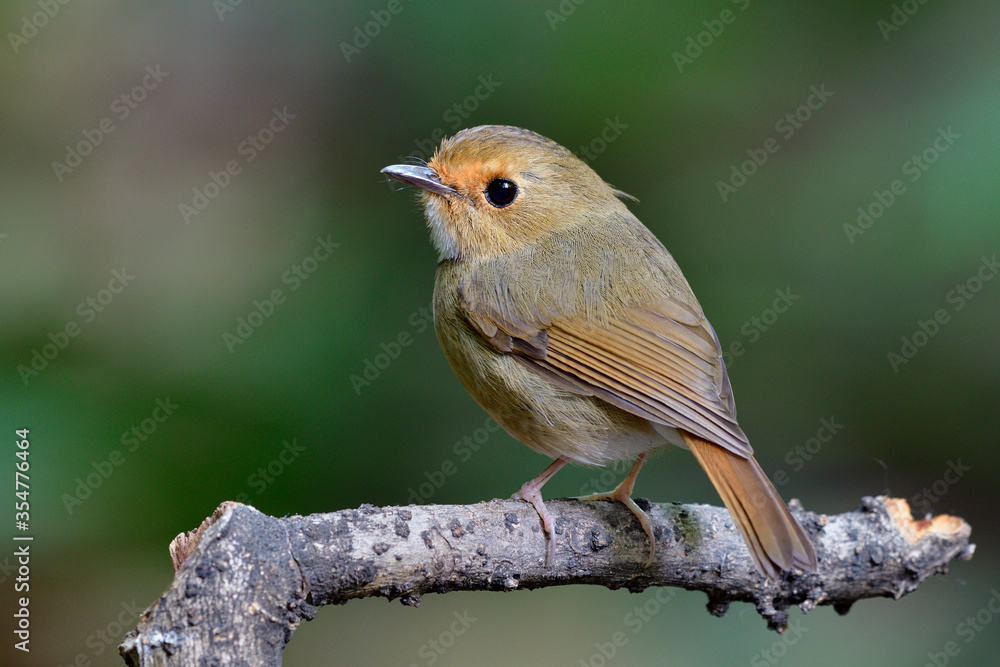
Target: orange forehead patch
{"points": [[469, 176]]}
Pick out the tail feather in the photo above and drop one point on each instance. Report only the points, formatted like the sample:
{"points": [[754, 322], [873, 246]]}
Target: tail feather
{"points": [[775, 539]]}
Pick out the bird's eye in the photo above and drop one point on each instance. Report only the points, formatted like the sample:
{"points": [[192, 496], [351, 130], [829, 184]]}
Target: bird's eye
{"points": [[500, 192]]}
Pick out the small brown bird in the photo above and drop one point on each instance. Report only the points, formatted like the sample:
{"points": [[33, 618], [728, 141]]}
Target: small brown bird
{"points": [[573, 327]]}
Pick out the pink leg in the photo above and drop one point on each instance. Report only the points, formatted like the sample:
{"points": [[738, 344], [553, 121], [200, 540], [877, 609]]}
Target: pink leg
{"points": [[532, 492], [623, 494]]}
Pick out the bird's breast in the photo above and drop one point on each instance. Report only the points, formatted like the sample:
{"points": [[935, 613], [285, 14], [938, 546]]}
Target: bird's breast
{"points": [[547, 417]]}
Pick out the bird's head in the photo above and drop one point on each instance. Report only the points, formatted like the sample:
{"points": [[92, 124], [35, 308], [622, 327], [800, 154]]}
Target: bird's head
{"points": [[495, 189]]}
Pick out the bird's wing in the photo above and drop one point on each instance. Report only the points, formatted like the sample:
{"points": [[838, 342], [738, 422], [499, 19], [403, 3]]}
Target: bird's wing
{"points": [[661, 362]]}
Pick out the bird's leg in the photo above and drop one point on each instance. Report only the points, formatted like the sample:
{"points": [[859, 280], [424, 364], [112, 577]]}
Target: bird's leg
{"points": [[623, 494], [532, 492]]}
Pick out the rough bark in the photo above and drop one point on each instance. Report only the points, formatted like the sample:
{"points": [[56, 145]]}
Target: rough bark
{"points": [[245, 580]]}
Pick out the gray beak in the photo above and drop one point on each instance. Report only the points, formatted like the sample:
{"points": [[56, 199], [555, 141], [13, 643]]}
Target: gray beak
{"points": [[424, 178]]}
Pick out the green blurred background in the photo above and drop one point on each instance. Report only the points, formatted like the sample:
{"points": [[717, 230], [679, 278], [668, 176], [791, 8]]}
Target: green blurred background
{"points": [[570, 72]]}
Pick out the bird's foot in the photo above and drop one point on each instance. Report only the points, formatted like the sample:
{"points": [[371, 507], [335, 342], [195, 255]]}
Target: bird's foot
{"points": [[532, 492], [533, 495], [623, 494]]}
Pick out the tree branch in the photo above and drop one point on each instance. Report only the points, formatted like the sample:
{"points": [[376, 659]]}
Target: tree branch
{"points": [[245, 580]]}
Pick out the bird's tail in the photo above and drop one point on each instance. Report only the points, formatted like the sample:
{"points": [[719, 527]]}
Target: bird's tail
{"points": [[776, 540]]}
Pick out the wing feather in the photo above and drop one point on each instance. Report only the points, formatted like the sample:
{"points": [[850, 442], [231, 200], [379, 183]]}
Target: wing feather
{"points": [[661, 362]]}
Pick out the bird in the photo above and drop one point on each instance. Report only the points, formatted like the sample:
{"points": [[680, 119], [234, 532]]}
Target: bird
{"points": [[571, 324]]}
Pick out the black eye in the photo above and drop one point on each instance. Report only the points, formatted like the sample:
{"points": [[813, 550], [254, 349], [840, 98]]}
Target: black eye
{"points": [[500, 192]]}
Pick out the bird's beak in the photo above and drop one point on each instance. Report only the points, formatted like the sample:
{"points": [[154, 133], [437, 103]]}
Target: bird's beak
{"points": [[422, 177]]}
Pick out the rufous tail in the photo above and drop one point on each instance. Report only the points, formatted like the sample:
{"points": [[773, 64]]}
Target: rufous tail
{"points": [[776, 540]]}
